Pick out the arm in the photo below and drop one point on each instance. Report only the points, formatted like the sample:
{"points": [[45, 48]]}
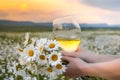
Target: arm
{"points": [[93, 58], [77, 67], [109, 69]]}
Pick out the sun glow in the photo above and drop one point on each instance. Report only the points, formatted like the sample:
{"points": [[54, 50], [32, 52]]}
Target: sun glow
{"points": [[47, 10], [23, 6]]}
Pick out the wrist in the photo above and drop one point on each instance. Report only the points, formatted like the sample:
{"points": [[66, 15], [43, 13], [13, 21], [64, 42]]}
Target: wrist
{"points": [[96, 69], [89, 57], [88, 70], [93, 69]]}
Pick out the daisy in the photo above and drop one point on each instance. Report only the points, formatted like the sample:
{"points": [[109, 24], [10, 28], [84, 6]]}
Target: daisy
{"points": [[59, 68], [20, 51], [40, 44], [21, 59], [40, 48], [42, 59], [29, 53], [52, 45], [54, 58], [41, 41], [49, 72]]}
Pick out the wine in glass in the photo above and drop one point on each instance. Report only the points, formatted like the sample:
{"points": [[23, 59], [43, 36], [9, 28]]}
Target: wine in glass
{"points": [[67, 32]]}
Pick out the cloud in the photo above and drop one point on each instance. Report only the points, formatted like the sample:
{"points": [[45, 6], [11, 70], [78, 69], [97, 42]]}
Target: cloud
{"points": [[104, 4]]}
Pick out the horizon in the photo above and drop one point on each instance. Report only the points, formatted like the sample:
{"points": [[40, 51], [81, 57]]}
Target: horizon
{"points": [[51, 22], [92, 11]]}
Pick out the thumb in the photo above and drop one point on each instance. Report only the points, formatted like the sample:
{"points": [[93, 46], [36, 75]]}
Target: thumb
{"points": [[67, 58]]}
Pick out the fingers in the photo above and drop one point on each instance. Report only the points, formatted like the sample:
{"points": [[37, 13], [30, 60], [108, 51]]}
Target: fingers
{"points": [[67, 53], [67, 58], [71, 54]]}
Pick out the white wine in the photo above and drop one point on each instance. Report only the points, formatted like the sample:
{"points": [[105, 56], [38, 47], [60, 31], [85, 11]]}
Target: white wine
{"points": [[69, 45]]}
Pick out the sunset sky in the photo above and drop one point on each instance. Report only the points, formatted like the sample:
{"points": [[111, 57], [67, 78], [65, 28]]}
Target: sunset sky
{"points": [[87, 11]]}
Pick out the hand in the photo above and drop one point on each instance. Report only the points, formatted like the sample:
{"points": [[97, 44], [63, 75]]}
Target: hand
{"points": [[75, 68], [85, 55], [73, 54]]}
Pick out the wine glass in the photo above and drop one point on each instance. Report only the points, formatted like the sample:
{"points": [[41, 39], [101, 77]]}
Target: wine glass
{"points": [[67, 32]]}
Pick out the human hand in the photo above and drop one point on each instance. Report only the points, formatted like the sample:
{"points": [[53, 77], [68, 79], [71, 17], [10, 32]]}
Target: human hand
{"points": [[75, 68], [72, 54], [79, 53]]}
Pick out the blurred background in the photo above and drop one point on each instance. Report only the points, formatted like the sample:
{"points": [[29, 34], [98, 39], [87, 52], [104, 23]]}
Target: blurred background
{"points": [[22, 15], [99, 21]]}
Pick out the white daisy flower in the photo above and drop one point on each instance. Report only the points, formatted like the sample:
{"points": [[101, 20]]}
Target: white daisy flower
{"points": [[40, 48], [42, 59], [49, 72], [54, 58], [52, 45], [41, 41], [59, 68], [20, 50], [29, 53], [40, 44], [21, 59]]}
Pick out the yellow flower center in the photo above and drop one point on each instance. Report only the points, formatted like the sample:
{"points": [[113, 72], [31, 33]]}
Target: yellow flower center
{"points": [[49, 69], [52, 45], [58, 66], [41, 48], [42, 57], [30, 53], [54, 57]]}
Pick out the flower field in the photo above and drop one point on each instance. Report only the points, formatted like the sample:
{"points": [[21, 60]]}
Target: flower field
{"points": [[99, 42]]}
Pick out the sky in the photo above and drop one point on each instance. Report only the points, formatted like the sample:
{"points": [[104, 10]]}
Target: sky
{"points": [[87, 11]]}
